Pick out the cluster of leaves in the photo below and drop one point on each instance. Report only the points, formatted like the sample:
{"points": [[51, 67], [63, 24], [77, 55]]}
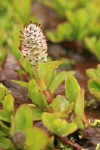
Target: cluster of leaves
{"points": [[17, 130], [94, 81], [93, 45], [12, 15], [82, 23]]}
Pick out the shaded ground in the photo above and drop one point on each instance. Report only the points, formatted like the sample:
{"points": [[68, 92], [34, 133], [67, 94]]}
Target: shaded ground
{"points": [[9, 71]]}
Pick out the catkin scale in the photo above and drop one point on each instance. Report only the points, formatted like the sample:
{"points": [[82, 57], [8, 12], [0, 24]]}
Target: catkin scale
{"points": [[33, 44]]}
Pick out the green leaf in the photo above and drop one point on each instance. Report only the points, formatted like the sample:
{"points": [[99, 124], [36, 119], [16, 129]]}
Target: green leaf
{"points": [[3, 91], [94, 82], [48, 120], [58, 80], [4, 130], [65, 129], [6, 144], [8, 103], [48, 67], [96, 123], [49, 78], [79, 122], [72, 88], [78, 20], [23, 118], [5, 116], [94, 87], [59, 104], [2, 94], [68, 110], [94, 73], [2, 134], [27, 66], [63, 5], [71, 128], [36, 139], [57, 125], [79, 104], [22, 10], [93, 45], [97, 146], [37, 113], [79, 109], [60, 33], [80, 15], [23, 84], [36, 94], [8, 108]]}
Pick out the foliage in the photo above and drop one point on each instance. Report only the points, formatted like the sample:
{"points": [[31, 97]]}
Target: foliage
{"points": [[94, 81], [72, 85], [60, 33], [98, 147], [12, 15], [96, 123], [53, 113], [52, 122], [93, 45], [20, 125], [64, 5], [3, 91], [60, 116], [82, 23]]}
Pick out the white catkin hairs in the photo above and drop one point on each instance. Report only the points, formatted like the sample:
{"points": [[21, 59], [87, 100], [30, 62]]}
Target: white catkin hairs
{"points": [[33, 45]]}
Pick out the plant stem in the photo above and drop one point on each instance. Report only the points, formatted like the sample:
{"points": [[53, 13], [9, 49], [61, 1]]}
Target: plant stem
{"points": [[65, 141], [36, 74], [38, 80]]}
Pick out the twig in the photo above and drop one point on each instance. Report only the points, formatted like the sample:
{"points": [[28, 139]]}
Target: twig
{"points": [[67, 142]]}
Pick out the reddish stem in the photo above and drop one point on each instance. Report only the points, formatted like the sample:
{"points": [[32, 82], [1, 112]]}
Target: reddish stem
{"points": [[67, 142]]}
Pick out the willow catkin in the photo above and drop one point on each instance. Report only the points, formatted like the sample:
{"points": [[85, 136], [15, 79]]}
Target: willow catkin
{"points": [[33, 44]]}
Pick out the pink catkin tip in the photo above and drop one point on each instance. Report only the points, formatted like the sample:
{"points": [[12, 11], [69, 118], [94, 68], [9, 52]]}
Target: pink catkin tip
{"points": [[30, 22]]}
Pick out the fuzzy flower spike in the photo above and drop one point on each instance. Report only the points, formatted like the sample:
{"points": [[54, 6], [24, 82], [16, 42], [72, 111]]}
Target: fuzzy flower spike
{"points": [[33, 44]]}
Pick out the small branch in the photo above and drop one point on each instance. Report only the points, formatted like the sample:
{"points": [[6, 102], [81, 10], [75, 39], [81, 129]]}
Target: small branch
{"points": [[72, 144]]}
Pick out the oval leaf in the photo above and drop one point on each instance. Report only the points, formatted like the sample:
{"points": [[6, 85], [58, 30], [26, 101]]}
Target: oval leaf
{"points": [[59, 104], [23, 118], [36, 94], [72, 88], [8, 103], [94, 87], [36, 139], [57, 125], [59, 78], [46, 68]]}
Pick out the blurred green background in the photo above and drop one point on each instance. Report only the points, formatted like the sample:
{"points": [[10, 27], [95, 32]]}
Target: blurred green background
{"points": [[80, 22]]}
